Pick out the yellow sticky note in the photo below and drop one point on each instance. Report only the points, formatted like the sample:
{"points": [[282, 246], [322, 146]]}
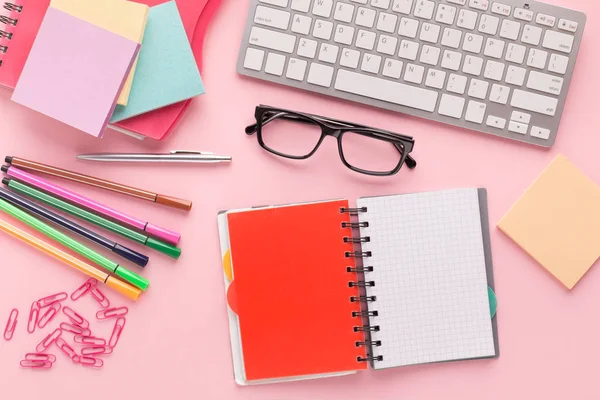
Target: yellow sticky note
{"points": [[124, 18], [557, 221]]}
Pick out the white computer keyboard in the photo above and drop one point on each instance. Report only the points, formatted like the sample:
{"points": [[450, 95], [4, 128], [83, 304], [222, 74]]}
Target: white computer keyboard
{"points": [[497, 67]]}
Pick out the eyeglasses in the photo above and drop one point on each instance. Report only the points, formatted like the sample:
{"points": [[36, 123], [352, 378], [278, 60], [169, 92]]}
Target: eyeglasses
{"points": [[297, 136]]}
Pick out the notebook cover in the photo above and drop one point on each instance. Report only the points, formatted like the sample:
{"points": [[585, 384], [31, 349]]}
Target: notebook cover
{"points": [[557, 221], [290, 291], [167, 72], [19, 45], [124, 18], [75, 72]]}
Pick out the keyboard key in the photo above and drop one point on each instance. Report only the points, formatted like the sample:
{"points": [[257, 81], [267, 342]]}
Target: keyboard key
{"points": [[365, 39], [534, 102], [494, 70], [272, 40], [322, 8], [301, 5], [467, 19], [402, 6], [515, 53], [494, 48], [558, 64], [515, 75], [343, 12], [254, 59], [501, 9], [546, 20], [472, 65], [344, 34], [275, 64], [531, 35], [424, 9], [392, 68], [301, 24], [478, 89], [408, 50], [360, 1], [322, 29], [523, 14], [566, 25], [383, 4], [387, 45], [459, 2], [457, 84], [349, 58], [451, 38], [296, 69], [495, 122], [370, 63], [320, 75], [520, 117], [475, 112], [429, 32], [385, 90], [414, 73], [479, 4], [472, 43], [387, 22], [545, 83], [510, 29], [489, 24], [280, 3], [451, 106], [451, 60], [429, 55], [307, 48], [540, 133], [558, 41], [435, 78], [517, 127], [499, 94], [328, 53], [537, 58], [365, 17], [445, 14], [408, 27], [272, 17]]}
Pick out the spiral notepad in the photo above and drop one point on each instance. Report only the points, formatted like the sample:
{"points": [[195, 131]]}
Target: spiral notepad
{"points": [[308, 298]]}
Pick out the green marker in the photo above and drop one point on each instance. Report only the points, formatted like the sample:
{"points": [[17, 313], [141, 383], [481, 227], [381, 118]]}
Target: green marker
{"points": [[125, 274], [79, 212]]}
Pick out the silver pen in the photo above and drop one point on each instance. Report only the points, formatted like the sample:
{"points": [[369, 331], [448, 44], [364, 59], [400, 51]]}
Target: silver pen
{"points": [[175, 156]]}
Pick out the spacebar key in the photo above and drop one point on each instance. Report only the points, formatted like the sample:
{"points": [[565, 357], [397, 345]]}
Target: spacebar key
{"points": [[381, 89]]}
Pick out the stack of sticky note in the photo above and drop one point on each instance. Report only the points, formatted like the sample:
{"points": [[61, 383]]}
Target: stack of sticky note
{"points": [[100, 61]]}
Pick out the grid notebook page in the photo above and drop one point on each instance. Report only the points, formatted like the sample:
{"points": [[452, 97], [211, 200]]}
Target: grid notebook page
{"points": [[430, 277]]}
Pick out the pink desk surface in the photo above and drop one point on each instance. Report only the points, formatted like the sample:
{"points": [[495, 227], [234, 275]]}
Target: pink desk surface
{"points": [[176, 342]]}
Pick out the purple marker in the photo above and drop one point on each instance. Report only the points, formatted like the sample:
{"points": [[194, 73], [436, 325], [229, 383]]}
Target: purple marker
{"points": [[157, 231]]}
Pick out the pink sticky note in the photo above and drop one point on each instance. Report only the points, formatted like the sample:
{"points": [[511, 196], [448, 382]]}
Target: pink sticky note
{"points": [[75, 72]]}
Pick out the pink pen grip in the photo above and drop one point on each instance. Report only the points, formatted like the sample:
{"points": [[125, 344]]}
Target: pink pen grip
{"points": [[162, 233]]}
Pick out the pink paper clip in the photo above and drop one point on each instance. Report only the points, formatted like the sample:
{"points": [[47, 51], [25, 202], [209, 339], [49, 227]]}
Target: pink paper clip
{"points": [[83, 289], [100, 297], [95, 350], [49, 315], [48, 340], [65, 348], [49, 300], [76, 329], [90, 362], [116, 333], [34, 316], [35, 364], [9, 331], [89, 340], [75, 317], [112, 312], [40, 357]]}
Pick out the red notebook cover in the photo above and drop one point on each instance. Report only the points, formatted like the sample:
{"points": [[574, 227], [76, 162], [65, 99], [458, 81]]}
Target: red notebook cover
{"points": [[291, 291]]}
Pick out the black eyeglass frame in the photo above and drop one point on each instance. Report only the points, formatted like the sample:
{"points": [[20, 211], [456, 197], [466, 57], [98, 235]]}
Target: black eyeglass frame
{"points": [[336, 128]]}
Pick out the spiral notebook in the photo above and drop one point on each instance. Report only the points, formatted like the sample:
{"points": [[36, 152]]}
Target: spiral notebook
{"points": [[307, 298]]}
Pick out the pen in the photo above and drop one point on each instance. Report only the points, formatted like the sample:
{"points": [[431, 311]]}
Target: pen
{"points": [[98, 220], [175, 156], [100, 183], [121, 272], [51, 216], [112, 282], [161, 233]]}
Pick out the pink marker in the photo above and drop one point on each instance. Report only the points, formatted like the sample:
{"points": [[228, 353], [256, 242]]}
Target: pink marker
{"points": [[154, 230]]}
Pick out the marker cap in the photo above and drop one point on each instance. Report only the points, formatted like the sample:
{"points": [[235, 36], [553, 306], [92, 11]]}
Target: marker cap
{"points": [[133, 278], [162, 233], [174, 202], [164, 248], [131, 255]]}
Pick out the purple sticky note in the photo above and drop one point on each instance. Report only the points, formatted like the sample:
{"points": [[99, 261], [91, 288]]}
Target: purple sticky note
{"points": [[75, 72]]}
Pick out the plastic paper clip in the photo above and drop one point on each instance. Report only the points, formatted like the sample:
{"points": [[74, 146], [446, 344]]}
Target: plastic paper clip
{"points": [[90, 362], [11, 324], [95, 350], [40, 357], [75, 329], [112, 312], [116, 333], [49, 315], [83, 289], [100, 297], [34, 316], [49, 300], [81, 339], [65, 348], [76, 318], [48, 340], [35, 364]]}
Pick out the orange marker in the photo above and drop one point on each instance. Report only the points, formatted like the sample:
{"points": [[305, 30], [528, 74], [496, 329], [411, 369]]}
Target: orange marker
{"points": [[120, 286]]}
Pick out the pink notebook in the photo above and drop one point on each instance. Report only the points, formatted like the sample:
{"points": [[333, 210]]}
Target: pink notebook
{"points": [[75, 72]]}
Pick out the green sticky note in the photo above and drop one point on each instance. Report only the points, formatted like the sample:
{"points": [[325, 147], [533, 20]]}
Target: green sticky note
{"points": [[166, 71], [493, 302]]}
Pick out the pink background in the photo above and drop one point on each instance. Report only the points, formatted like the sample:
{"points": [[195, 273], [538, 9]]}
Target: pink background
{"points": [[176, 342]]}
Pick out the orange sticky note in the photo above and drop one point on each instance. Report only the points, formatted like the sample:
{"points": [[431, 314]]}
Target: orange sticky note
{"points": [[557, 221]]}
